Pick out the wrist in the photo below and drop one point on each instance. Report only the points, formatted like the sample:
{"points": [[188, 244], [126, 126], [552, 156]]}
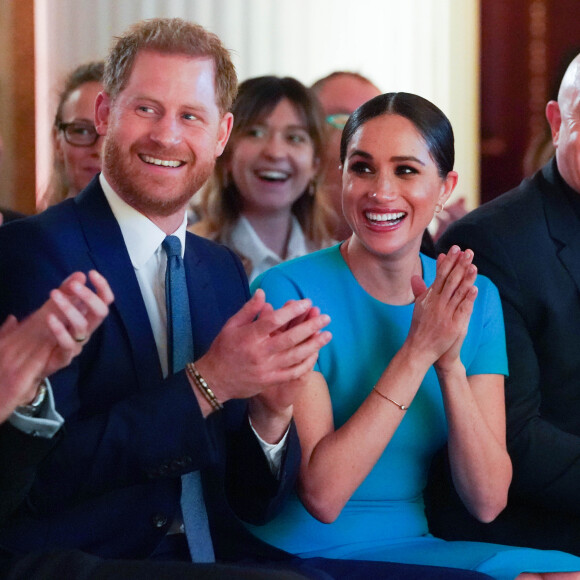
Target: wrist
{"points": [[208, 371], [204, 393], [271, 423], [416, 357], [33, 408], [447, 369]]}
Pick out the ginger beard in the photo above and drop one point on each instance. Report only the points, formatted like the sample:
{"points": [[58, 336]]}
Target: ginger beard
{"points": [[142, 192]]}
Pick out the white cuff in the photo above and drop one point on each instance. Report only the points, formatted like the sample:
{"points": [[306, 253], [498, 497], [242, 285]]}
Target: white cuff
{"points": [[272, 451]]}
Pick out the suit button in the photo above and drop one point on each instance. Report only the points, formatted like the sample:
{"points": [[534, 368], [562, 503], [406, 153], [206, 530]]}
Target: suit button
{"points": [[159, 520]]}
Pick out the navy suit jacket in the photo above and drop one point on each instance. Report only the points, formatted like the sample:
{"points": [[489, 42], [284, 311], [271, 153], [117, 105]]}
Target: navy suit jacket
{"points": [[528, 242], [112, 485], [20, 455]]}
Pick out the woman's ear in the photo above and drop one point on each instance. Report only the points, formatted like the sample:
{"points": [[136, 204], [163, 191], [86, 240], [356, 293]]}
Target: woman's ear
{"points": [[447, 187]]}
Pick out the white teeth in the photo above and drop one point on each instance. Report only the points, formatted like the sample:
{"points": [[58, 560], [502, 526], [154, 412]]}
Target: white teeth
{"points": [[162, 162], [385, 217], [273, 175]]}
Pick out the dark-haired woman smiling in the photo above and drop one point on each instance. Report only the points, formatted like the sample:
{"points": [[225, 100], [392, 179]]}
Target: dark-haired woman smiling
{"points": [[264, 205], [417, 360]]}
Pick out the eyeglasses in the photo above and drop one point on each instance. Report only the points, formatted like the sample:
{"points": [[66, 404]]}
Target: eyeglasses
{"points": [[338, 121], [79, 134]]}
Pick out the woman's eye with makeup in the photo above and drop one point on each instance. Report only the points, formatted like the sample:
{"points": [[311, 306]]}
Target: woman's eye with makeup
{"points": [[405, 170], [360, 168]]}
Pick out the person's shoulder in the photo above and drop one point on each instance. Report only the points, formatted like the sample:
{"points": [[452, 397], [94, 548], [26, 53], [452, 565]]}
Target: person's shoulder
{"points": [[510, 217], [10, 215], [53, 219], [213, 255], [303, 271], [504, 206], [308, 264], [485, 285], [201, 242]]}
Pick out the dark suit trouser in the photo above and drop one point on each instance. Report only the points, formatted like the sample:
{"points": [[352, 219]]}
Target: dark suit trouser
{"points": [[76, 565]]}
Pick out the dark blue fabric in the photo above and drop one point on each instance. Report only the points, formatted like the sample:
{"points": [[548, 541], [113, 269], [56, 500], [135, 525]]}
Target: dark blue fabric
{"points": [[112, 485], [179, 337]]}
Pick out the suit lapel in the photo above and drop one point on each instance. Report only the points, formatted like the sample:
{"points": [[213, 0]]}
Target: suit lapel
{"points": [[109, 254], [205, 316], [563, 223]]}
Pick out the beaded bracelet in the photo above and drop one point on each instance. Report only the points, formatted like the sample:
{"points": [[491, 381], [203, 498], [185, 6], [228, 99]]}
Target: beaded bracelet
{"points": [[402, 407], [202, 385]]}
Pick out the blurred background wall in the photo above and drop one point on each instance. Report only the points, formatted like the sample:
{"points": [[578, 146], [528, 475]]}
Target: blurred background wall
{"points": [[489, 64], [425, 46]]}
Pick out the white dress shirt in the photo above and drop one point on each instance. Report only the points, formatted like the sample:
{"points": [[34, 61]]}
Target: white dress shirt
{"points": [[245, 241], [143, 240]]}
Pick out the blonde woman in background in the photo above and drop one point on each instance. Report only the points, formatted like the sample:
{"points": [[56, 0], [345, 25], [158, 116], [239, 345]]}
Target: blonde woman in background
{"points": [[77, 145]]}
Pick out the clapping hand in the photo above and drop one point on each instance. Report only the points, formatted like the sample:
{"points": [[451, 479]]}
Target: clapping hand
{"points": [[49, 338], [443, 310]]}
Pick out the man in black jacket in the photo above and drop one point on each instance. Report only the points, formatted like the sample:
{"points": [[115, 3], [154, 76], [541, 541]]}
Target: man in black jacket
{"points": [[528, 242]]}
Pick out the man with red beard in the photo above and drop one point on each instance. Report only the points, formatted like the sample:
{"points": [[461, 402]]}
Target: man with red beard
{"points": [[158, 462], [134, 424]]}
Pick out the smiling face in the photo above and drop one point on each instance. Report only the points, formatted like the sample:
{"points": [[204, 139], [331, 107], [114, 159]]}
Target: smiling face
{"points": [[80, 164], [272, 161], [164, 132], [391, 186]]}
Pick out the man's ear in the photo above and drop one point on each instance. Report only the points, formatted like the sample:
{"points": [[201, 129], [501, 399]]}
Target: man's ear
{"points": [[224, 132], [102, 112], [554, 116]]}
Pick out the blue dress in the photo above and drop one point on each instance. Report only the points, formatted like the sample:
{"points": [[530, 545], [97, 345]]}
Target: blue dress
{"points": [[385, 518]]}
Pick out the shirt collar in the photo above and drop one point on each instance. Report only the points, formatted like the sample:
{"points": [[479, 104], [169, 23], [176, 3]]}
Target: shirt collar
{"points": [[247, 242], [142, 237]]}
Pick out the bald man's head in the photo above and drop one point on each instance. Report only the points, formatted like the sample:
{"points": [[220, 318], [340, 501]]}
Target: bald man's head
{"points": [[564, 118], [570, 81]]}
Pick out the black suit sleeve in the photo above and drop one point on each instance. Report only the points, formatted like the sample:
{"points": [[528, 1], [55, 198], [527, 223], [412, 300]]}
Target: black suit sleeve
{"points": [[253, 491], [20, 455], [546, 459]]}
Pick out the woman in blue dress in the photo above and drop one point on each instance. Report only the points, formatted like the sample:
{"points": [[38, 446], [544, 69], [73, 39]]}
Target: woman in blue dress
{"points": [[417, 359]]}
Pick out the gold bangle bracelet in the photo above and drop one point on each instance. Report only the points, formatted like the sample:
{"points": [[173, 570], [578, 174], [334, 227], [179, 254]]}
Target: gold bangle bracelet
{"points": [[203, 387], [402, 407]]}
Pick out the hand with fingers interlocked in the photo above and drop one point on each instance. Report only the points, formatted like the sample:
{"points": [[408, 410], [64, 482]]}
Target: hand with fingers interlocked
{"points": [[262, 352], [442, 311]]}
